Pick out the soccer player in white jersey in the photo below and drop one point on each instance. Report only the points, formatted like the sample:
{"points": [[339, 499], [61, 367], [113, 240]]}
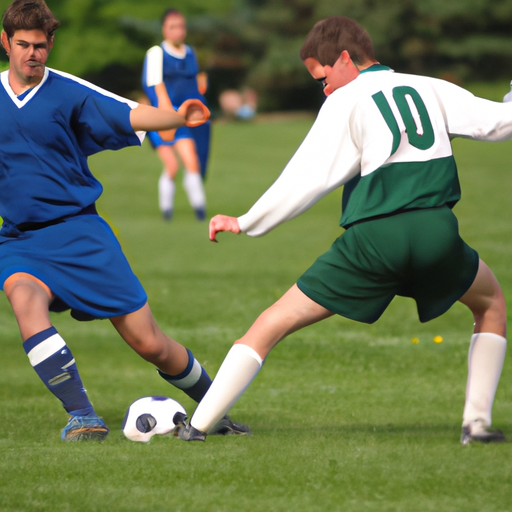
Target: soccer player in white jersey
{"points": [[56, 252], [385, 136]]}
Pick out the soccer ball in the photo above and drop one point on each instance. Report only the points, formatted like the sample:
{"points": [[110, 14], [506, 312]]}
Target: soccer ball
{"points": [[150, 415]]}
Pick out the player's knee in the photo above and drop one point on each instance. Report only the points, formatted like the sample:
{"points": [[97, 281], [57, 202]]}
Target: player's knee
{"points": [[26, 296], [491, 317]]}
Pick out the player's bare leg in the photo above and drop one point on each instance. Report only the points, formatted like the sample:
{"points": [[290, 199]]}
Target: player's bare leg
{"points": [[175, 363], [50, 356], [30, 300], [140, 330], [486, 355], [291, 312]]}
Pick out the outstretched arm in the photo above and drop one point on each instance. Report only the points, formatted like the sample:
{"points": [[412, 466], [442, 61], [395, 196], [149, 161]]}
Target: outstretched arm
{"points": [[191, 113], [223, 223], [164, 103]]}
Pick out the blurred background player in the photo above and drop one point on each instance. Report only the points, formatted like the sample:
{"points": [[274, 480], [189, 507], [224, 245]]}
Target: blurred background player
{"points": [[386, 137], [241, 105], [508, 96], [171, 76], [56, 252]]}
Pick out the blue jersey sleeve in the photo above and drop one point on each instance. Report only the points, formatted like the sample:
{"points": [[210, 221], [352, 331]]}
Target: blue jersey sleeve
{"points": [[103, 123]]}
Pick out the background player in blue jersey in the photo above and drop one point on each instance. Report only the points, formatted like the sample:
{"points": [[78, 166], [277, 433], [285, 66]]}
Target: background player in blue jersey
{"points": [[386, 137], [170, 77], [56, 253]]}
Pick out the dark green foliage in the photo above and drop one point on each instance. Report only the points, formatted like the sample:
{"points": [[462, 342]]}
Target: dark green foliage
{"points": [[256, 42]]}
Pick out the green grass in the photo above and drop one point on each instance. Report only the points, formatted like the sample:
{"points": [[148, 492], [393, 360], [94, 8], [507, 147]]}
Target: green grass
{"points": [[346, 417]]}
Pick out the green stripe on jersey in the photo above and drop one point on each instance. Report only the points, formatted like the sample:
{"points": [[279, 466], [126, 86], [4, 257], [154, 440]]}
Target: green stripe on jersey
{"points": [[399, 186]]}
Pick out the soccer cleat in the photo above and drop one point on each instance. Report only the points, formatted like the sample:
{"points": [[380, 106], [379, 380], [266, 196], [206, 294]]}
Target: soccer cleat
{"points": [[189, 433], [167, 215], [227, 427], [200, 214], [476, 431], [186, 432], [85, 428]]}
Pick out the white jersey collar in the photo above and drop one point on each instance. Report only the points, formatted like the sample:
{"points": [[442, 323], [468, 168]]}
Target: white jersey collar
{"points": [[172, 51], [4, 77]]}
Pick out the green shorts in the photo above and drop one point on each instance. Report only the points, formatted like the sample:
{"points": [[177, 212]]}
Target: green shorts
{"points": [[417, 254]]}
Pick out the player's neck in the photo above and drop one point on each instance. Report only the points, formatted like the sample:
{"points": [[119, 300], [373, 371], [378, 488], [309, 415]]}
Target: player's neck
{"points": [[177, 48], [366, 65], [19, 84]]}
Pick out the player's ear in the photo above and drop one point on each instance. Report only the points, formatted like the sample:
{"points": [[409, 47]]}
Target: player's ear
{"points": [[50, 42], [345, 57], [5, 42]]}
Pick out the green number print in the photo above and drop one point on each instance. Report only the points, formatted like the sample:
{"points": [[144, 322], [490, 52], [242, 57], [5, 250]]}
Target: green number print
{"points": [[420, 133]]}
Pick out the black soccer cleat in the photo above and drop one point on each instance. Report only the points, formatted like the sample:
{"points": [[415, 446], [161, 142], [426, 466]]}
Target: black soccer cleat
{"points": [[186, 432], [227, 427], [476, 431], [189, 433]]}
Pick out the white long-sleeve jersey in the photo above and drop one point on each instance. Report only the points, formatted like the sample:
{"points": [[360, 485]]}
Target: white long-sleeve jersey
{"points": [[386, 137]]}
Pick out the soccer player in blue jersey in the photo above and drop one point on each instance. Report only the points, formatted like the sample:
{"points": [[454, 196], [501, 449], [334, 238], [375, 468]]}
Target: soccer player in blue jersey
{"points": [[56, 253], [171, 76], [385, 136]]}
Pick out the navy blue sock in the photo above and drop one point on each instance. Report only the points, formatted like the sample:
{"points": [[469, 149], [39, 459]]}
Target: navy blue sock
{"points": [[54, 363], [193, 380]]}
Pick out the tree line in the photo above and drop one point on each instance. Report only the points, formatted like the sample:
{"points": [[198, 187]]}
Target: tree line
{"points": [[256, 43]]}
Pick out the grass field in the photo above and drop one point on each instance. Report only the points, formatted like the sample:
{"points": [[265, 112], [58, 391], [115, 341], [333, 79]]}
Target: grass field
{"points": [[346, 417]]}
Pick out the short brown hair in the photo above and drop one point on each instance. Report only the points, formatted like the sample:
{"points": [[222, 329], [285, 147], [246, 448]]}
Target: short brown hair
{"points": [[329, 37], [29, 15]]}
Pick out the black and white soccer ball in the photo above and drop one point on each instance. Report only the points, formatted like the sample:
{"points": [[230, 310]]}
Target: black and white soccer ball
{"points": [[150, 415]]}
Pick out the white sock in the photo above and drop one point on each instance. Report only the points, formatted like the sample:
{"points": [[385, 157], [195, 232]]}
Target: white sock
{"points": [[237, 371], [166, 190], [485, 361], [193, 185]]}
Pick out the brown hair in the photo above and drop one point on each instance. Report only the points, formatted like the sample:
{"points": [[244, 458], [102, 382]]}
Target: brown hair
{"points": [[329, 37], [29, 15]]}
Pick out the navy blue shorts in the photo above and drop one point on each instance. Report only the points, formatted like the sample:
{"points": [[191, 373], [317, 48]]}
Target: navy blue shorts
{"points": [[82, 263]]}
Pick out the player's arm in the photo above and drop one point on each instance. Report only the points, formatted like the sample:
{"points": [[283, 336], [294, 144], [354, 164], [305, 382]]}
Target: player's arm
{"points": [[154, 78], [315, 170], [327, 158], [202, 82], [146, 118], [164, 103], [472, 117]]}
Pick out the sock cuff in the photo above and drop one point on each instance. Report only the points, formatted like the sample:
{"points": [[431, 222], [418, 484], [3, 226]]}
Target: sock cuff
{"points": [[46, 349], [497, 337], [241, 349], [37, 338], [188, 377], [191, 176]]}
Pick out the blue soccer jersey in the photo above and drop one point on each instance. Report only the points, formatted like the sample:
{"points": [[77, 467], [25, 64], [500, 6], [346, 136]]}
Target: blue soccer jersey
{"points": [[179, 73], [51, 229], [46, 136]]}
